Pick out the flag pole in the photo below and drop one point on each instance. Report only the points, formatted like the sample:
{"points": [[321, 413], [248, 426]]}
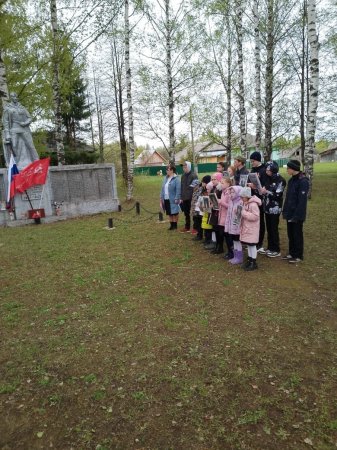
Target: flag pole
{"points": [[11, 149]]}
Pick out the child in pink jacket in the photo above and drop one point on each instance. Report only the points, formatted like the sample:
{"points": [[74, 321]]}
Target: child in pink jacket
{"points": [[250, 226], [224, 201], [232, 223]]}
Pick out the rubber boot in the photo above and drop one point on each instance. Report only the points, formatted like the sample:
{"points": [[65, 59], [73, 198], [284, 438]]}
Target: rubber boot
{"points": [[238, 258], [234, 256], [229, 255], [252, 265], [246, 263], [215, 250], [171, 226]]}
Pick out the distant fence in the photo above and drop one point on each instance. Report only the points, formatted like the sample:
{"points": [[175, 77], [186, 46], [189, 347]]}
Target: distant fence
{"points": [[202, 168]]}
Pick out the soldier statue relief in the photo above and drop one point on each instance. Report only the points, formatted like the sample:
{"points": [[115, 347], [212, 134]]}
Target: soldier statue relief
{"points": [[17, 135]]}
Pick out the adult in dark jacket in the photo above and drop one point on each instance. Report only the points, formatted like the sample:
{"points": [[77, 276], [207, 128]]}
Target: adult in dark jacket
{"points": [[240, 169], [295, 210], [186, 193], [260, 170], [272, 199]]}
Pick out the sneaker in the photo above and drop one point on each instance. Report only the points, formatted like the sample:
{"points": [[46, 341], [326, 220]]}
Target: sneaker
{"points": [[194, 231], [287, 257], [273, 254], [261, 250], [294, 260]]}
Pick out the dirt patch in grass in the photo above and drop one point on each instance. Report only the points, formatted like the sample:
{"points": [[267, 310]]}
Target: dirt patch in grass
{"points": [[139, 338]]}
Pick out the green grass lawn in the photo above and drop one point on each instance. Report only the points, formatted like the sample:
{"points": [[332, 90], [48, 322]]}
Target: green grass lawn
{"points": [[136, 338]]}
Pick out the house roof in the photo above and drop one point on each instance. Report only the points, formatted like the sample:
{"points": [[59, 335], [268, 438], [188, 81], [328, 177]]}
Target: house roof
{"points": [[330, 151]]}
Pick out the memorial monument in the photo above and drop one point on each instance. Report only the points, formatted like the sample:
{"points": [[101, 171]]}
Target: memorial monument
{"points": [[70, 191]]}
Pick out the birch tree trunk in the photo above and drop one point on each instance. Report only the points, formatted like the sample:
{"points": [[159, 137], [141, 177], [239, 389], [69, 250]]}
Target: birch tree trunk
{"points": [[56, 84], [258, 102], [170, 81], [91, 124], [129, 102], [303, 80], [313, 93], [241, 90], [4, 96], [118, 91], [229, 94], [99, 121], [269, 83]]}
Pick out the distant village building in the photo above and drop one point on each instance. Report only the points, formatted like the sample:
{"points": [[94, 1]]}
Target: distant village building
{"points": [[329, 155], [149, 158]]}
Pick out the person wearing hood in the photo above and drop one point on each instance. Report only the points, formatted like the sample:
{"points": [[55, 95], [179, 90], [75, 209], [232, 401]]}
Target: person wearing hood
{"points": [[250, 226], [232, 223], [272, 200], [186, 194], [195, 210]]}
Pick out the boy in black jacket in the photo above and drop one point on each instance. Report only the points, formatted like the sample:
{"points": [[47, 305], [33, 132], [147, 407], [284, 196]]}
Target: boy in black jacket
{"points": [[294, 210]]}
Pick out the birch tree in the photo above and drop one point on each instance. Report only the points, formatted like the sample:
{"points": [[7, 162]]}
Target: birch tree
{"points": [[174, 71], [269, 79], [117, 82], [129, 103], [313, 92], [241, 86], [56, 84], [257, 54]]}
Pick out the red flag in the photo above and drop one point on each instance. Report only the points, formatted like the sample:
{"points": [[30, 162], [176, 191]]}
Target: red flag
{"points": [[35, 173]]}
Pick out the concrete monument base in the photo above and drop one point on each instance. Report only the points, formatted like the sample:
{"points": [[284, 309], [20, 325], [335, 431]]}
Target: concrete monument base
{"points": [[70, 191]]}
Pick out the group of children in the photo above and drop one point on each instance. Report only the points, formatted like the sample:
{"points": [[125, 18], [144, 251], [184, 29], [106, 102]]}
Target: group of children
{"points": [[229, 211]]}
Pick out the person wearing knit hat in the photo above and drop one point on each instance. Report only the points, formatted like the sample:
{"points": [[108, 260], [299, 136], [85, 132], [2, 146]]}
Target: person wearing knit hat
{"points": [[255, 156], [186, 193], [272, 200], [260, 169], [294, 210], [294, 164], [240, 169]]}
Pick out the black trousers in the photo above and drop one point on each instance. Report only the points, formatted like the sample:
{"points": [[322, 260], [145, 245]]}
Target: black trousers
{"points": [[272, 223], [220, 236], [208, 236], [229, 242], [262, 228], [197, 225], [295, 236], [187, 211]]}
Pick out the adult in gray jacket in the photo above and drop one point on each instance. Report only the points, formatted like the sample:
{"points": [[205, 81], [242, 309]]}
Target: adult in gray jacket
{"points": [[186, 193]]}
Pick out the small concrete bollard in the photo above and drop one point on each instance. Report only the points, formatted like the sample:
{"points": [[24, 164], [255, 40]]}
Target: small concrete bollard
{"points": [[137, 208], [110, 223]]}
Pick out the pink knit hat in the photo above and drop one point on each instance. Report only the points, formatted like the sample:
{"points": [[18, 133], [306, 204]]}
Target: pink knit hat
{"points": [[217, 175]]}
